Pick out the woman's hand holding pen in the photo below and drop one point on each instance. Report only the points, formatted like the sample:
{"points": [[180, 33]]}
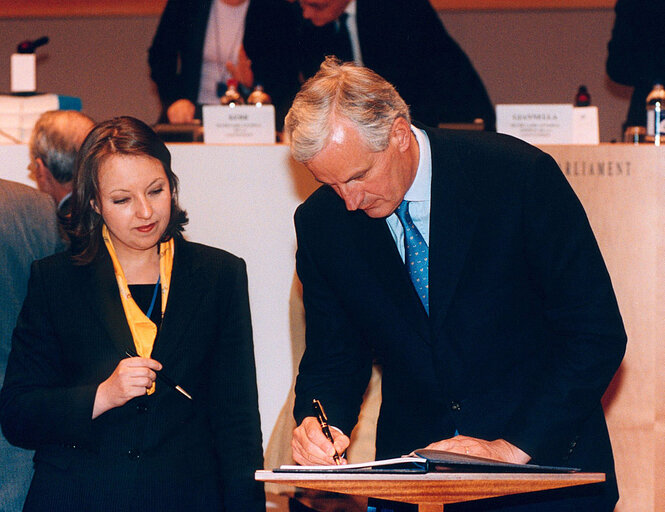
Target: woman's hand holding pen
{"points": [[310, 446], [131, 378]]}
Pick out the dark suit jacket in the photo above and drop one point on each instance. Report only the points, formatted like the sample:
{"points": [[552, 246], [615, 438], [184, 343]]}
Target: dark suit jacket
{"points": [[405, 42], [524, 332], [176, 53], [28, 231], [636, 52], [70, 336]]}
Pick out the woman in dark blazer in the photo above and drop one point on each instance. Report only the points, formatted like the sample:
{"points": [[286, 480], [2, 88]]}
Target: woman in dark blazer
{"points": [[111, 327]]}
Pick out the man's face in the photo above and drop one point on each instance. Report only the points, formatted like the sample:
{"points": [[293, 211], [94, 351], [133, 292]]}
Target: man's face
{"points": [[321, 12], [372, 181]]}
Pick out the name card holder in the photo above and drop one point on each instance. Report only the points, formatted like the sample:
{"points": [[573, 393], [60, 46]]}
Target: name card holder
{"points": [[549, 123], [241, 124]]}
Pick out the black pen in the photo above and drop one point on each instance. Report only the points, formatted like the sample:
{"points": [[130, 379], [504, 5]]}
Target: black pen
{"points": [[323, 421], [161, 376]]}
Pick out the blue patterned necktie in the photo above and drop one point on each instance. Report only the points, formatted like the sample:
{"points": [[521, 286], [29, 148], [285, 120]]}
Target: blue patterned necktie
{"points": [[416, 254]]}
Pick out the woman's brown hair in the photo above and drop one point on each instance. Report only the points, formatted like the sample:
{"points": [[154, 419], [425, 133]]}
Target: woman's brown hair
{"points": [[117, 136]]}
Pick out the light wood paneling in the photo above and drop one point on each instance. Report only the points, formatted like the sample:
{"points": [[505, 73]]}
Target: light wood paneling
{"points": [[83, 8], [79, 8], [490, 5]]}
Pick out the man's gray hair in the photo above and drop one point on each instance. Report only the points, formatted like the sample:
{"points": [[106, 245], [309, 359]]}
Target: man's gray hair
{"points": [[56, 139], [342, 90]]}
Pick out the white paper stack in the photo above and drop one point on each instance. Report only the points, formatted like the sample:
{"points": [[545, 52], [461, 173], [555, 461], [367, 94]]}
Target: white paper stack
{"points": [[18, 115]]}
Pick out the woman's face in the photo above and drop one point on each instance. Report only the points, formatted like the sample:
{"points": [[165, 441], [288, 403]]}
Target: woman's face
{"points": [[134, 201]]}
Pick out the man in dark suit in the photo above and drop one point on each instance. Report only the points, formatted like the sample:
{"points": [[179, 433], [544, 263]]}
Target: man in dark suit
{"points": [[54, 144], [406, 43], [504, 342], [636, 52], [28, 231]]}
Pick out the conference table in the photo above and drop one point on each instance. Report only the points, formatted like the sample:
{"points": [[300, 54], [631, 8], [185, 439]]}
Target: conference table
{"points": [[242, 198]]}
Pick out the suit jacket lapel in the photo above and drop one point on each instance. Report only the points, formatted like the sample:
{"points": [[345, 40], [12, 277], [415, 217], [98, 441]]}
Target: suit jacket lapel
{"points": [[452, 222], [183, 302], [105, 300], [383, 260]]}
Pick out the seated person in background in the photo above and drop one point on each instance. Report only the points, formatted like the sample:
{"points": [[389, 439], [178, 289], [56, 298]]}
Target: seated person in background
{"points": [[130, 299], [54, 143], [636, 52], [465, 264], [405, 42], [200, 44], [28, 231]]}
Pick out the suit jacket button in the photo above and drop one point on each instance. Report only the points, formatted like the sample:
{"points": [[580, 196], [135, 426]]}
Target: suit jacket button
{"points": [[142, 407], [134, 454], [455, 406]]}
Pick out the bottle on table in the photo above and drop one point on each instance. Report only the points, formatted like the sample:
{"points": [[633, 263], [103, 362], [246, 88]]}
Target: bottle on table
{"points": [[655, 114], [634, 134], [231, 97], [582, 98], [258, 97]]}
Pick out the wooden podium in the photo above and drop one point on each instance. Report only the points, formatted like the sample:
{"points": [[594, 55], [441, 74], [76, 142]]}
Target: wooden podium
{"points": [[431, 491]]}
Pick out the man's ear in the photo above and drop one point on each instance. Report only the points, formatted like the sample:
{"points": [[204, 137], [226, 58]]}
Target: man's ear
{"points": [[41, 171], [43, 177], [401, 133]]}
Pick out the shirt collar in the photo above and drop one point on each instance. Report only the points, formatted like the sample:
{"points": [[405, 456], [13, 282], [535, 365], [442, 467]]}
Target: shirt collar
{"points": [[422, 184], [64, 200], [351, 8]]}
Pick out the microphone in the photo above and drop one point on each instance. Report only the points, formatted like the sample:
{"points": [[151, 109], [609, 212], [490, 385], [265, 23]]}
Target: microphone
{"points": [[28, 46]]}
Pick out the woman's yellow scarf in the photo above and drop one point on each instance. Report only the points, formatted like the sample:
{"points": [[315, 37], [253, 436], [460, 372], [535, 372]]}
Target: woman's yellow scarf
{"points": [[143, 330]]}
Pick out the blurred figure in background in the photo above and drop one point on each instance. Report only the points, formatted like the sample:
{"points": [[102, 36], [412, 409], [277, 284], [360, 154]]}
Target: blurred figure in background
{"points": [[54, 144], [636, 52], [406, 43], [200, 44], [28, 231]]}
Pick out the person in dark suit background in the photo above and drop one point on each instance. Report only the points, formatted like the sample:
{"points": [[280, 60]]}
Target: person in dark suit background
{"points": [[54, 143], [512, 338], [406, 43], [636, 52], [129, 300], [28, 231], [196, 46]]}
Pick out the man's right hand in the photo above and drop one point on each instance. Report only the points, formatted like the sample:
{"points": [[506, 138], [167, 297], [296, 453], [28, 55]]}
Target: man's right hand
{"points": [[311, 447], [181, 111]]}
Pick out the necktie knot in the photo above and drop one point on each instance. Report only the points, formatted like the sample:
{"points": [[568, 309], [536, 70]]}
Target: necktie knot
{"points": [[416, 254], [402, 211]]}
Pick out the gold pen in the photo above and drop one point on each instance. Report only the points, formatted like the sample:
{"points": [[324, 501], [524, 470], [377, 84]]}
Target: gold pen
{"points": [[323, 421]]}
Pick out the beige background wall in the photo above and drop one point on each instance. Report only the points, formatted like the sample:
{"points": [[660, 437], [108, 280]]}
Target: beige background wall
{"points": [[522, 56]]}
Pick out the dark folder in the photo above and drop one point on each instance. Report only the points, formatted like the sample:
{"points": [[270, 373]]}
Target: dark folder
{"points": [[427, 461]]}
